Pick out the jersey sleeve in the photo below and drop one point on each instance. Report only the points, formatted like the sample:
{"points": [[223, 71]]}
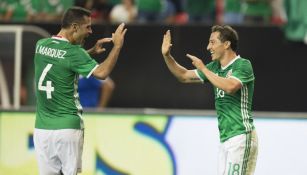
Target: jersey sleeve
{"points": [[243, 71], [201, 75], [83, 64]]}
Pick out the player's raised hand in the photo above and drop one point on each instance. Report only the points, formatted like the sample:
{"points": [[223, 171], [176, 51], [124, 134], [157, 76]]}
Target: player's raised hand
{"points": [[166, 44], [196, 62], [119, 35], [98, 47]]}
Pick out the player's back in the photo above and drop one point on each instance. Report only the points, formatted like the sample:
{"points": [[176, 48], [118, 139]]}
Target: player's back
{"points": [[56, 81]]}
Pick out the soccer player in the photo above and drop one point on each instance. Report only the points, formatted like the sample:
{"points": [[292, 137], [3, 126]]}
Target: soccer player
{"points": [[58, 134], [233, 80]]}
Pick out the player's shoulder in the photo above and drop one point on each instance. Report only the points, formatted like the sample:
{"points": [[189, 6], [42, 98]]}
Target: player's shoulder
{"points": [[43, 40], [243, 64], [78, 52], [78, 55], [242, 60]]}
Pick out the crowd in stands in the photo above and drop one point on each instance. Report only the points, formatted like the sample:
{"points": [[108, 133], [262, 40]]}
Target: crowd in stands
{"points": [[142, 11], [288, 13], [33, 10]]}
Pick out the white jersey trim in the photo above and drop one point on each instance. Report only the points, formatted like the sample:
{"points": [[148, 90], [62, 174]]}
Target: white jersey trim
{"points": [[77, 102], [60, 38], [196, 72], [89, 74], [232, 61], [244, 108]]}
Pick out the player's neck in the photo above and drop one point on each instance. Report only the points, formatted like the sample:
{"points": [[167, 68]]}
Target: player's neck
{"points": [[227, 58], [65, 34]]}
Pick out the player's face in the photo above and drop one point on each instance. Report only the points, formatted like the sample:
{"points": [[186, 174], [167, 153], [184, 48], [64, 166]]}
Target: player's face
{"points": [[215, 46], [83, 30]]}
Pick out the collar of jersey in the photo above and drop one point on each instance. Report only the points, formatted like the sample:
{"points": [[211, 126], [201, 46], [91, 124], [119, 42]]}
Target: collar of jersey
{"points": [[232, 61], [59, 38]]}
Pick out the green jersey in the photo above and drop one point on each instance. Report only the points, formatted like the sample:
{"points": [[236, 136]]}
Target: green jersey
{"points": [[21, 9], [3, 8], [233, 110], [58, 64], [55, 7], [233, 6], [197, 7], [149, 5]]}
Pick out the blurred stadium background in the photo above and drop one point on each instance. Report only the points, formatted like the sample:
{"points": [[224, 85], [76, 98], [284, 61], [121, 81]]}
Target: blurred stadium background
{"points": [[154, 124]]}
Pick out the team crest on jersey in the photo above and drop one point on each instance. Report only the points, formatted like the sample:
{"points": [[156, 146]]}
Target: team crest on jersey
{"points": [[229, 73]]}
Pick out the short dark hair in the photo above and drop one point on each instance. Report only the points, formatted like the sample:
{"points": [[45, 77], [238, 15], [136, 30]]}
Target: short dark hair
{"points": [[74, 15], [227, 33]]}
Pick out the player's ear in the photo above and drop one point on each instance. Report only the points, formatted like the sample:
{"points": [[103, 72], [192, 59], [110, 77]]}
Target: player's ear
{"points": [[227, 44], [74, 27]]}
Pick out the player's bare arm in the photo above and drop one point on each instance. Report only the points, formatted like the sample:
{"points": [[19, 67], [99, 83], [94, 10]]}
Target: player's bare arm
{"points": [[105, 68], [98, 47], [180, 72], [229, 85]]}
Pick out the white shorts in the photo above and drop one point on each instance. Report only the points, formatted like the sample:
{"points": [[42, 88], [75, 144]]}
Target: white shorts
{"points": [[59, 151], [238, 155]]}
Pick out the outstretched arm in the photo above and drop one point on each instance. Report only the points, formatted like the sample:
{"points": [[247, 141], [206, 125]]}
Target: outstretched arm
{"points": [[181, 73], [229, 85], [105, 68]]}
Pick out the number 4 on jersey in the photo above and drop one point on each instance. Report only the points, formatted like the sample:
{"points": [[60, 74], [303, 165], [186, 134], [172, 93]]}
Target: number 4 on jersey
{"points": [[48, 88]]}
